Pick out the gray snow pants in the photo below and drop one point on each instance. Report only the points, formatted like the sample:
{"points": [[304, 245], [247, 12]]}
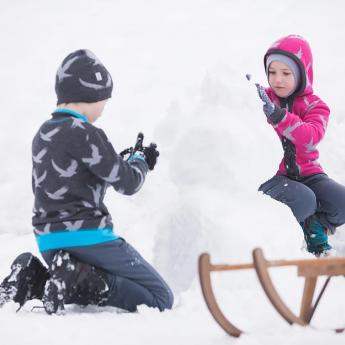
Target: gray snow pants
{"points": [[132, 281], [312, 194]]}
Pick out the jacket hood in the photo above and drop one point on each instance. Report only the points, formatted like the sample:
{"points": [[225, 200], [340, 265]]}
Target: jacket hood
{"points": [[297, 48]]}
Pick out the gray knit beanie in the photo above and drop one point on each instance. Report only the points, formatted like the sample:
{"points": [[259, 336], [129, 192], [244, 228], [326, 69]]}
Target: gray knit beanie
{"points": [[82, 78]]}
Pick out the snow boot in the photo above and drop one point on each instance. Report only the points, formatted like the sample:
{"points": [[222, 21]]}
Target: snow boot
{"points": [[316, 238], [73, 281], [25, 282]]}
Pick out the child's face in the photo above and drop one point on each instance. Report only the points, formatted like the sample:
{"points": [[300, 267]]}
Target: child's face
{"points": [[95, 110], [281, 79]]}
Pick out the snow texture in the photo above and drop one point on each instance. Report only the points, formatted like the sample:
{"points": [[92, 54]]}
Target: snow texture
{"points": [[179, 69]]}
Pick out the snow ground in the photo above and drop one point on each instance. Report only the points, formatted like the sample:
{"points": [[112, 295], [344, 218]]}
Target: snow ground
{"points": [[178, 68]]}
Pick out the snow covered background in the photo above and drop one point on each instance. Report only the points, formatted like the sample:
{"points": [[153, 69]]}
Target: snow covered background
{"points": [[179, 71]]}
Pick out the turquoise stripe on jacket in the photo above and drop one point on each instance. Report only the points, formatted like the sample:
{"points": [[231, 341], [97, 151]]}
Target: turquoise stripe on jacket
{"points": [[80, 238]]}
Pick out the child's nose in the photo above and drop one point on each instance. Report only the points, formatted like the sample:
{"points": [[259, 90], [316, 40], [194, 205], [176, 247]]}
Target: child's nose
{"points": [[279, 79]]}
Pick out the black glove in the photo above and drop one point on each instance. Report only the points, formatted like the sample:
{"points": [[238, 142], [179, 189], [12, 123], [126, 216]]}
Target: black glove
{"points": [[137, 147], [151, 154], [126, 152], [271, 110]]}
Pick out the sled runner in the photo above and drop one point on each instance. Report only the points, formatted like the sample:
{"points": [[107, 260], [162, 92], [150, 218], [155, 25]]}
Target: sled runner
{"points": [[310, 269]]}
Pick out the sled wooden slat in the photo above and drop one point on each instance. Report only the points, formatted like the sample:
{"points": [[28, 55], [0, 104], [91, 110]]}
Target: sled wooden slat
{"points": [[205, 269], [309, 269], [283, 263], [261, 268], [324, 269], [307, 299]]}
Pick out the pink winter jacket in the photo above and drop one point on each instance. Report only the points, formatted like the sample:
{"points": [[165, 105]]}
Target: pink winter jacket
{"points": [[305, 122]]}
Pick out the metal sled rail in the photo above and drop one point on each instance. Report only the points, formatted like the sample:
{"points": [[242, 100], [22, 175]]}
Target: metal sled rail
{"points": [[309, 269]]}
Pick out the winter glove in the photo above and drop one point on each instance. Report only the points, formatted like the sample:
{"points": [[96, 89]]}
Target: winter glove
{"points": [[138, 147], [271, 110], [126, 152], [151, 154]]}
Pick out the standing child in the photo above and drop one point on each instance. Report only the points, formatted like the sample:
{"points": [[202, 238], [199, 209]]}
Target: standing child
{"points": [[73, 165], [300, 118]]}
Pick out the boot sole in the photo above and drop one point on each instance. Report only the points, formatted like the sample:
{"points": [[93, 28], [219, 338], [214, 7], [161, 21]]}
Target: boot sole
{"points": [[19, 282]]}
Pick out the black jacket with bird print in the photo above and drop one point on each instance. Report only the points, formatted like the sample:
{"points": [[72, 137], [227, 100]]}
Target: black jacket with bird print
{"points": [[73, 164]]}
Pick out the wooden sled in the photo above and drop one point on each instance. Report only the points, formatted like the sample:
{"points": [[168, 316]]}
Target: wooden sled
{"points": [[310, 269]]}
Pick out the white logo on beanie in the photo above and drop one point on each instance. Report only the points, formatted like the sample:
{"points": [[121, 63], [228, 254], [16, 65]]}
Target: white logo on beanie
{"points": [[98, 76]]}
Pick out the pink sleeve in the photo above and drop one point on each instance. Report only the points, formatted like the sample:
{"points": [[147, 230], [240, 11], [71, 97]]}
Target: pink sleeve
{"points": [[307, 131]]}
